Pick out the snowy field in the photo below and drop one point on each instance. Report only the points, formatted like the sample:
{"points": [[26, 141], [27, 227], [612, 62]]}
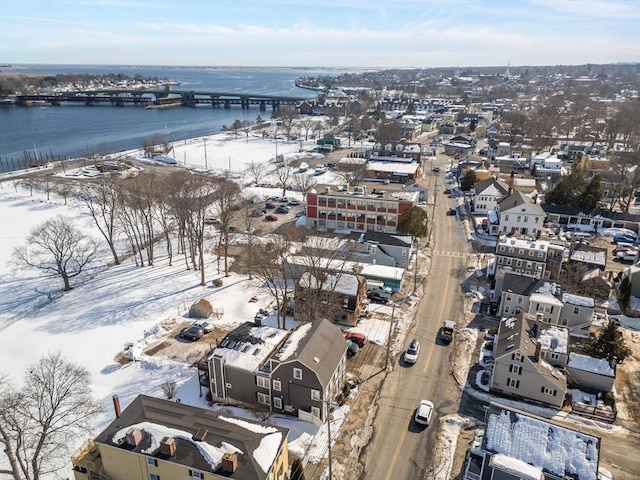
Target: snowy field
{"points": [[118, 305]]}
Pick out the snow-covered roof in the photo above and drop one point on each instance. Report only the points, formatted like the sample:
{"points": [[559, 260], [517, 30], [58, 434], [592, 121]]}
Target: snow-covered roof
{"points": [[393, 167], [247, 347], [545, 298], [382, 271], [342, 283], [554, 339], [557, 450], [590, 364], [516, 467], [577, 300], [290, 346]]}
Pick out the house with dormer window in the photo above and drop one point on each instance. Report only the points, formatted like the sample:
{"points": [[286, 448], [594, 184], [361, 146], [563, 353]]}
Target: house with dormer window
{"points": [[487, 193], [296, 372], [519, 214], [520, 370]]}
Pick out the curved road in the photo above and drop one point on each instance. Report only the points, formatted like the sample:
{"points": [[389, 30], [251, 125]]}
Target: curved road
{"points": [[400, 448]]}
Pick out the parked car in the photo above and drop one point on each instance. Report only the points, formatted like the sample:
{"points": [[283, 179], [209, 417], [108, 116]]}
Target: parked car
{"points": [[378, 297], [283, 200], [424, 412], [624, 239], [452, 212], [192, 333], [411, 355], [282, 209], [294, 202], [628, 256], [271, 218], [211, 221], [447, 330], [358, 338], [331, 165], [352, 348], [207, 327], [269, 206], [447, 191]]}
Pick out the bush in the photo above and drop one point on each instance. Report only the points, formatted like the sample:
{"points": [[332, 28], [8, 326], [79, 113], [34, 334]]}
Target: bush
{"points": [[484, 378], [217, 282], [609, 399]]}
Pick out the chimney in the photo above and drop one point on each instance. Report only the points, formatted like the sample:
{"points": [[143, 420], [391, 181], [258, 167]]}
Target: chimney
{"points": [[537, 354], [230, 462], [134, 436], [116, 405], [168, 446]]}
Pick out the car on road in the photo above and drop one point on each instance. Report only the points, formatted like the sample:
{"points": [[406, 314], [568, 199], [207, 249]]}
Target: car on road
{"points": [[435, 169], [270, 218], [452, 212], [192, 333], [447, 191], [207, 327], [359, 339], [447, 330], [411, 355], [424, 412], [282, 209]]}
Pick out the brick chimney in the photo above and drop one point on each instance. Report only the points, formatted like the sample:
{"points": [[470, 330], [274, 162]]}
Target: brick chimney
{"points": [[116, 405], [537, 354], [230, 462]]}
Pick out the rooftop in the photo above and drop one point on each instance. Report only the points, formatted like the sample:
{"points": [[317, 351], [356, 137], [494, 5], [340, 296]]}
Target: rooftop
{"points": [[557, 450]]}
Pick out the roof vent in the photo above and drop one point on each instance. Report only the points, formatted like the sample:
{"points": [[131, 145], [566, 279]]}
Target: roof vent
{"points": [[168, 446], [230, 462]]}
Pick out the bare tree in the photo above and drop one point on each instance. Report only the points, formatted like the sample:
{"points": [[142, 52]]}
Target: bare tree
{"points": [[286, 116], [38, 421], [283, 174], [58, 247], [257, 171], [353, 171], [247, 125], [46, 184], [64, 189], [102, 200], [226, 204], [304, 183]]}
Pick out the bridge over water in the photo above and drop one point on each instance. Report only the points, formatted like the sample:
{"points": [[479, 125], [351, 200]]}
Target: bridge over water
{"points": [[160, 99]]}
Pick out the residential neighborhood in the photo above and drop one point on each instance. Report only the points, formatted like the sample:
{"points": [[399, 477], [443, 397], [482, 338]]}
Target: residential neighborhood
{"points": [[299, 302]]}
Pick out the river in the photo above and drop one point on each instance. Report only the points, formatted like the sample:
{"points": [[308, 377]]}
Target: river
{"points": [[77, 130]]}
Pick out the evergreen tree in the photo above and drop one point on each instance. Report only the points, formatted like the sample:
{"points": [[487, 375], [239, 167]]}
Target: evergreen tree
{"points": [[624, 294], [592, 193], [468, 180], [608, 345], [413, 222]]}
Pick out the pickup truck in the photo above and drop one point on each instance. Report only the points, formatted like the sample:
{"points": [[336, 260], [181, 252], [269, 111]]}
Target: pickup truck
{"points": [[447, 330]]}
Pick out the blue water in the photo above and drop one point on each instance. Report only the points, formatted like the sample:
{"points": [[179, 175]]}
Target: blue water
{"points": [[70, 131]]}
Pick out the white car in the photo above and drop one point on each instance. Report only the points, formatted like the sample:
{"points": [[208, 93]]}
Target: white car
{"points": [[424, 412], [411, 355], [208, 327]]}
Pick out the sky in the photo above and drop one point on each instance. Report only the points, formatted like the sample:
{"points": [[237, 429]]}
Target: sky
{"points": [[320, 33]]}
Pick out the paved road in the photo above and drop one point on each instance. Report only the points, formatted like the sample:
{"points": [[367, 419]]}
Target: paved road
{"points": [[400, 448]]}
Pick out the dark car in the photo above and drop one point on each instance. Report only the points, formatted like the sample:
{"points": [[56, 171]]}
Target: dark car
{"points": [[331, 165], [271, 218], [270, 206], [352, 348], [378, 298], [447, 191], [192, 333], [452, 212], [282, 209]]}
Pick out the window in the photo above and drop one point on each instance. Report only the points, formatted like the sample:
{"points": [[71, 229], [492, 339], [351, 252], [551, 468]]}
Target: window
{"points": [[513, 383], [263, 382], [506, 309], [508, 297], [315, 394], [517, 357], [277, 402], [564, 321], [194, 474], [554, 356], [153, 476], [277, 386], [576, 310], [517, 369], [264, 399], [152, 461], [315, 411], [297, 373], [520, 251], [519, 263], [548, 391], [506, 218]]}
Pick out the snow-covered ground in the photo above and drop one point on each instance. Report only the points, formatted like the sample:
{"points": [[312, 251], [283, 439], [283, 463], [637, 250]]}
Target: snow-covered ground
{"points": [[119, 305]]}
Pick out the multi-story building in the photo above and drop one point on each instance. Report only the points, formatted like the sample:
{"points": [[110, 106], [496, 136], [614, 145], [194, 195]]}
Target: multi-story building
{"points": [[297, 372], [358, 209], [487, 193], [517, 445], [519, 214], [155, 439], [533, 258]]}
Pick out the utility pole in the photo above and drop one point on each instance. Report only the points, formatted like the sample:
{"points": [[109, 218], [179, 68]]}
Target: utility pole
{"points": [[206, 166], [329, 436], [393, 312]]}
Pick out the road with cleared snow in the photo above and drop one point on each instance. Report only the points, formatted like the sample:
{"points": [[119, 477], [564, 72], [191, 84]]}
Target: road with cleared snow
{"points": [[400, 449]]}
